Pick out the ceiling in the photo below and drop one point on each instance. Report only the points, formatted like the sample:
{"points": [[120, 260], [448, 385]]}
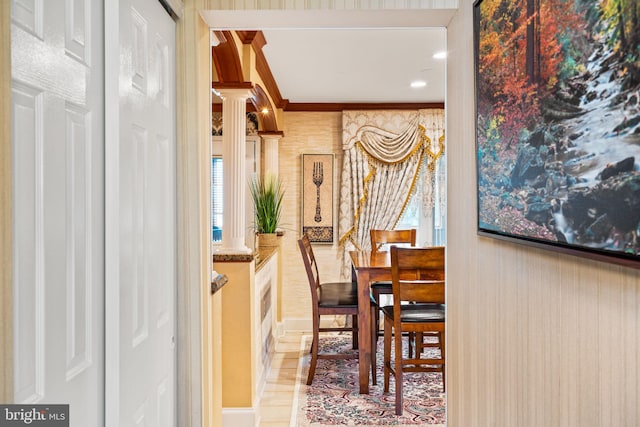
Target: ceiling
{"points": [[349, 56], [357, 65]]}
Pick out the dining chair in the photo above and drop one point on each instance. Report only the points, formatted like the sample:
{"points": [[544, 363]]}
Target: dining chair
{"points": [[380, 239], [331, 298], [412, 279]]}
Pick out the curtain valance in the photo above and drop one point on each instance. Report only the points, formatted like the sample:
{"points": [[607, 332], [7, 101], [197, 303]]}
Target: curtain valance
{"points": [[388, 147], [383, 155]]}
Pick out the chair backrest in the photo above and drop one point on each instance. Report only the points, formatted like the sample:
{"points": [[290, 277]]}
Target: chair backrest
{"points": [[418, 274], [385, 237], [311, 267]]}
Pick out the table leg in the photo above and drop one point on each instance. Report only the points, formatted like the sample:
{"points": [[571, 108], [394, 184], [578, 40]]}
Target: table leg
{"points": [[364, 330]]}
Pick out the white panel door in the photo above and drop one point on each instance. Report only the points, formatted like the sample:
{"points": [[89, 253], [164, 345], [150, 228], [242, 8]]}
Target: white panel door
{"points": [[58, 194], [145, 244]]}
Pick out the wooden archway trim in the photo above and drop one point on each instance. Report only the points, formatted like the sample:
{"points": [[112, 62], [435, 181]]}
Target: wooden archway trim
{"points": [[262, 103], [227, 60], [257, 41]]}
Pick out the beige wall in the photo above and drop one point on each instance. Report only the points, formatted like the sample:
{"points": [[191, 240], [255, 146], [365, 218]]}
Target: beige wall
{"points": [[534, 338], [199, 334], [307, 133]]}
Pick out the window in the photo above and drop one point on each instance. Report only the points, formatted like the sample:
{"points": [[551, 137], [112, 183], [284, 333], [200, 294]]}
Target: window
{"points": [[430, 225], [217, 194], [252, 162]]}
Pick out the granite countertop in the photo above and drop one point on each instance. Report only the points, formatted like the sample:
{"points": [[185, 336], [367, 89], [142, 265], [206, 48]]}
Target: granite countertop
{"points": [[233, 257], [218, 282], [260, 256], [263, 255]]}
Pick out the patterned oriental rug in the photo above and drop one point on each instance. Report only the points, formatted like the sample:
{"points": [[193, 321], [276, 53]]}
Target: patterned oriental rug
{"points": [[333, 398]]}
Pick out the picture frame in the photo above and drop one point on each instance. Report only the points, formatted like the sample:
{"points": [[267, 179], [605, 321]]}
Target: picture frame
{"points": [[317, 197], [558, 126]]}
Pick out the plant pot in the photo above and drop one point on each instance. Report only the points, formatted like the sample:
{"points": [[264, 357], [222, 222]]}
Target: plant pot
{"points": [[267, 240]]}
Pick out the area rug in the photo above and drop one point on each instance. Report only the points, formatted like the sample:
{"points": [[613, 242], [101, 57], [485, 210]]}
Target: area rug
{"points": [[333, 398]]}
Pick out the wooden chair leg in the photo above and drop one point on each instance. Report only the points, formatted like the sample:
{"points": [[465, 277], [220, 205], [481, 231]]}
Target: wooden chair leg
{"points": [[374, 350], [376, 298], [314, 350], [442, 355], [419, 343], [411, 338], [387, 352], [354, 331], [398, 372]]}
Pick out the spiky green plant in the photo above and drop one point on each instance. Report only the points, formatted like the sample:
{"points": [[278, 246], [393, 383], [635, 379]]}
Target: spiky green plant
{"points": [[267, 196]]}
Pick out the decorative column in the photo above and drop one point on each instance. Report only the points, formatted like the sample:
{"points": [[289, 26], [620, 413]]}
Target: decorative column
{"points": [[270, 142], [234, 128]]}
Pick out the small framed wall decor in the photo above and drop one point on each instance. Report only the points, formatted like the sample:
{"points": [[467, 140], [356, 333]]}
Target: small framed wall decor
{"points": [[317, 197]]}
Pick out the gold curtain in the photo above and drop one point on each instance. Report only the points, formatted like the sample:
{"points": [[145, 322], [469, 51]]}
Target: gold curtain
{"points": [[383, 154]]}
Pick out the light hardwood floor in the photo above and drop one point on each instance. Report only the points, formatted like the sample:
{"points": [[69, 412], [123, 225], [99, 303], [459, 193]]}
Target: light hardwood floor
{"points": [[277, 398]]}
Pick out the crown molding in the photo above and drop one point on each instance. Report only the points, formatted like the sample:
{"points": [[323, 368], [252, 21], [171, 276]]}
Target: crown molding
{"points": [[342, 106]]}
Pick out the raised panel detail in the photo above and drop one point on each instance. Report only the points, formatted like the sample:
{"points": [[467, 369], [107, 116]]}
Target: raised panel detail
{"points": [[161, 71], [140, 238], [139, 416], [139, 54], [28, 15], [78, 239], [164, 405], [158, 223], [27, 144], [76, 31]]}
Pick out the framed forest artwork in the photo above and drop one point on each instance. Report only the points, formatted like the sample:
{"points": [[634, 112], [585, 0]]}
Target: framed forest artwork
{"points": [[558, 125], [317, 197]]}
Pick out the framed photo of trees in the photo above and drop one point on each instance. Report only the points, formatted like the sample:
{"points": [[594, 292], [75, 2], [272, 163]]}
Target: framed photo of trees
{"points": [[558, 125]]}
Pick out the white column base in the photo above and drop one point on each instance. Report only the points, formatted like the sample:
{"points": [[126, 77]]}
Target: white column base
{"points": [[237, 249]]}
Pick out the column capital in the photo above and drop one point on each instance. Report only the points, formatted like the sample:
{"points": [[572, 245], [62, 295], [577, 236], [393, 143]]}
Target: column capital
{"points": [[271, 134], [233, 90]]}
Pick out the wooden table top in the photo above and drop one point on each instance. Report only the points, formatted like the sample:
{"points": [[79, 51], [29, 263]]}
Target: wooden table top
{"points": [[367, 259]]}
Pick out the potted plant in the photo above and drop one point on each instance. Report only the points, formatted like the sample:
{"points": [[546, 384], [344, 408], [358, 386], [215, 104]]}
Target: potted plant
{"points": [[267, 196]]}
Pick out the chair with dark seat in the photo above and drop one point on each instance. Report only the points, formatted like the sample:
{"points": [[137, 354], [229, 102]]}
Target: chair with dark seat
{"points": [[412, 278], [381, 239], [335, 298]]}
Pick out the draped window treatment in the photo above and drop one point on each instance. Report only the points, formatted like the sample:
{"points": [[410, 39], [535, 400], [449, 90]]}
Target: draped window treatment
{"points": [[383, 155]]}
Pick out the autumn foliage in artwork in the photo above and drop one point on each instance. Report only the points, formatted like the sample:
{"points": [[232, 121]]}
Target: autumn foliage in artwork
{"points": [[558, 120]]}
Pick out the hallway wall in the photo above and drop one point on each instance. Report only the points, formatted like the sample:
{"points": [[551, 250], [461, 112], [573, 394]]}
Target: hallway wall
{"points": [[305, 133], [535, 338]]}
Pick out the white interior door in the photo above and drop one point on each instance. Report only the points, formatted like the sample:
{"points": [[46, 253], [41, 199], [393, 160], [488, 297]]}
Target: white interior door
{"points": [[142, 390], [58, 156]]}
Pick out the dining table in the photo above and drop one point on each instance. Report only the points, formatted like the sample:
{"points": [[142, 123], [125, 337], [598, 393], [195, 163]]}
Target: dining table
{"points": [[368, 267]]}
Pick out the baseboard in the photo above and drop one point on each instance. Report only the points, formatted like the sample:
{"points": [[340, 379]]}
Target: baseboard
{"points": [[240, 417], [297, 325], [279, 330], [306, 325]]}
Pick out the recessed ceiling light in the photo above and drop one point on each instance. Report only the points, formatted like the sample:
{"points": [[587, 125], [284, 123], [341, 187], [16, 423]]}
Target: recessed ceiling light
{"points": [[418, 83], [440, 55]]}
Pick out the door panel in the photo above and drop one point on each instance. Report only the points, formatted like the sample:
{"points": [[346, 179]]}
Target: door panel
{"points": [[58, 146], [29, 248], [147, 206]]}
